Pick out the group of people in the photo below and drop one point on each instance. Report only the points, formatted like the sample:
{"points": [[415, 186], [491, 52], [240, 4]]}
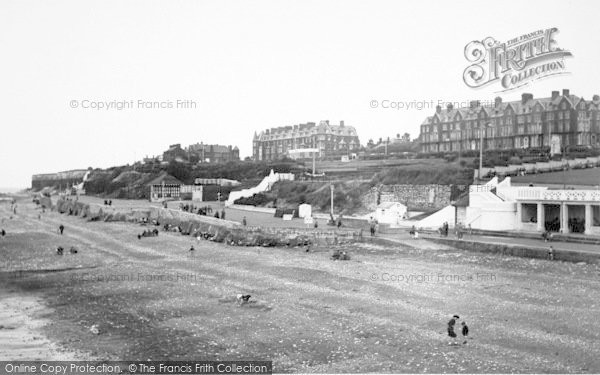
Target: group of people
{"points": [[204, 211], [413, 232], [452, 333], [443, 230], [60, 250], [339, 255], [108, 202], [148, 233], [334, 222]]}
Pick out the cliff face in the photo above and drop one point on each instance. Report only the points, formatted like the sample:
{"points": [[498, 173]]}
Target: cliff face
{"points": [[58, 180], [117, 184]]}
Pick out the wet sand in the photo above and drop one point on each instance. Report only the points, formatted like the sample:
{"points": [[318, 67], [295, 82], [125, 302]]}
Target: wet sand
{"points": [[22, 319]]}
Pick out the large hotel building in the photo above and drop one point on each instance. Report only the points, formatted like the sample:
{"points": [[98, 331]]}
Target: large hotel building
{"points": [[557, 121], [328, 141]]}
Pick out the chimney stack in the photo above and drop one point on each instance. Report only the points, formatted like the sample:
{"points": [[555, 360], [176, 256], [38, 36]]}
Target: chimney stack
{"points": [[596, 98], [565, 92], [342, 123], [525, 97], [555, 94], [449, 107], [438, 109], [497, 101]]}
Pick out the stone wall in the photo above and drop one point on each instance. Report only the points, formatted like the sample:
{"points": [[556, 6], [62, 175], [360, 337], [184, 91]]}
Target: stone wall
{"points": [[415, 197]]}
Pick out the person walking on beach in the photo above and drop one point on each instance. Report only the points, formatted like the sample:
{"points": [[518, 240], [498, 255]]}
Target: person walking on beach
{"points": [[223, 214], [244, 222], [2, 232], [372, 226], [465, 331], [451, 332], [61, 228]]}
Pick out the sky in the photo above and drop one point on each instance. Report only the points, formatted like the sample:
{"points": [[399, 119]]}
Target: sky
{"points": [[237, 67]]}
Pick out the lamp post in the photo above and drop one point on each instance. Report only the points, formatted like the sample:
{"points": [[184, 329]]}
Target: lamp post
{"points": [[331, 188], [481, 131], [480, 152]]}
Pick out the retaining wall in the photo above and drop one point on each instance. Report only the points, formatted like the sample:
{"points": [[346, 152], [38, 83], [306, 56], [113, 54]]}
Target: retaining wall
{"points": [[520, 251], [208, 227]]}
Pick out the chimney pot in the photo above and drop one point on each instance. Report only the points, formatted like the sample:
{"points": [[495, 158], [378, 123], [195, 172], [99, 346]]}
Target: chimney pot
{"points": [[438, 109], [555, 94], [449, 106], [565, 92]]}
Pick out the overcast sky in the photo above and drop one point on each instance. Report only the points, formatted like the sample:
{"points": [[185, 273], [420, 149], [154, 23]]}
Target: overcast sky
{"points": [[247, 65]]}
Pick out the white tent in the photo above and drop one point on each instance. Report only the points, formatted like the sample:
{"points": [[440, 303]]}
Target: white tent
{"points": [[390, 212]]}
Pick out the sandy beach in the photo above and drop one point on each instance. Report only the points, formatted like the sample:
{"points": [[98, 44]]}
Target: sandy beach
{"points": [[385, 310], [22, 319]]}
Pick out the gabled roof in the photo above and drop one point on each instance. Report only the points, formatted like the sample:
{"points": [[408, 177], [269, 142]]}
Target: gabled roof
{"points": [[165, 178]]}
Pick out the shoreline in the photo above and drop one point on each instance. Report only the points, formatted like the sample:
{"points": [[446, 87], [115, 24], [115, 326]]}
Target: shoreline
{"points": [[22, 338]]}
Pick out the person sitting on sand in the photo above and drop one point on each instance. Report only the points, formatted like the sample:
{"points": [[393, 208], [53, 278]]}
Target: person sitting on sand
{"points": [[2, 232]]}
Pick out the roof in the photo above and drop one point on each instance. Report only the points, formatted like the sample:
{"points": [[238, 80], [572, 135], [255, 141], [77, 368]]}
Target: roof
{"points": [[304, 130], [519, 107], [165, 178], [462, 201]]}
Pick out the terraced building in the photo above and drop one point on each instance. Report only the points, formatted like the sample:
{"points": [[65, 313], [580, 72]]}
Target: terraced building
{"points": [[331, 141], [557, 121]]}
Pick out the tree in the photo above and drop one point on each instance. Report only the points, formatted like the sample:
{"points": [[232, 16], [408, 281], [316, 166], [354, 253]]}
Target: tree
{"points": [[370, 143], [406, 137]]}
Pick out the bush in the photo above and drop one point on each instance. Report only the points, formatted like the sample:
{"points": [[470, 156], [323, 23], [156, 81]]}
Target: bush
{"points": [[259, 199]]}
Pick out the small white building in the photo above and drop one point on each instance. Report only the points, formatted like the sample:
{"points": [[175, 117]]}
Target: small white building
{"points": [[304, 210], [390, 212]]}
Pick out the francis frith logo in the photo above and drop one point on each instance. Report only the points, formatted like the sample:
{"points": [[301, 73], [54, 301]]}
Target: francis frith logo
{"points": [[514, 63]]}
